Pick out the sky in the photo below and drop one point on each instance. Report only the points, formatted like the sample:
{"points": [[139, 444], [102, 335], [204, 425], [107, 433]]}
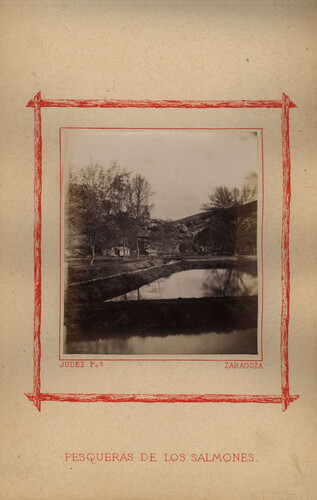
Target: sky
{"points": [[183, 166]]}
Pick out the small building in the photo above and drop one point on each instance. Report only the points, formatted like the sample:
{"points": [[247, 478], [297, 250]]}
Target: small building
{"points": [[122, 251], [109, 252], [151, 252]]}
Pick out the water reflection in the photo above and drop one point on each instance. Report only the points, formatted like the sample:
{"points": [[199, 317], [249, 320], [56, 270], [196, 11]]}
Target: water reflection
{"points": [[229, 283], [217, 314], [196, 283], [235, 342]]}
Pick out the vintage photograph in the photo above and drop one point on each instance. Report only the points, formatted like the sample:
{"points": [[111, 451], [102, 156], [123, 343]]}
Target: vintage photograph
{"points": [[160, 241]]}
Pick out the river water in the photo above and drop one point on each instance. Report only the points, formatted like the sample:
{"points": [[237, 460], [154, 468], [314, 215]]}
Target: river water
{"points": [[234, 342], [195, 283]]}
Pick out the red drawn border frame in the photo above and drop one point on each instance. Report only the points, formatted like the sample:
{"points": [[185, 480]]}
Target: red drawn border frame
{"points": [[37, 396]]}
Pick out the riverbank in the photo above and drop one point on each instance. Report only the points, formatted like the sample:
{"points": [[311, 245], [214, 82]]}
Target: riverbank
{"points": [[101, 288], [161, 317], [79, 270]]}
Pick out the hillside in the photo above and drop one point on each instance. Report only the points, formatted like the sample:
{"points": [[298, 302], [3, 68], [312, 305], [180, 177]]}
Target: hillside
{"points": [[219, 231], [230, 231]]}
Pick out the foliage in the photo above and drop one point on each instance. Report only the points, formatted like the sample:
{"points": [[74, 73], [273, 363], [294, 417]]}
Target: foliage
{"points": [[228, 203], [139, 194], [107, 206], [164, 236], [229, 198]]}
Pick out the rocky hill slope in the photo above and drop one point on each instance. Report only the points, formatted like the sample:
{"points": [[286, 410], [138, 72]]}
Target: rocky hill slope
{"points": [[219, 231]]}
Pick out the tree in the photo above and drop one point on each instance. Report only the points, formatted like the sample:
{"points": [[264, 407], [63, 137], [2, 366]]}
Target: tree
{"points": [[89, 202], [226, 198], [106, 205], [228, 202], [139, 194], [121, 212]]}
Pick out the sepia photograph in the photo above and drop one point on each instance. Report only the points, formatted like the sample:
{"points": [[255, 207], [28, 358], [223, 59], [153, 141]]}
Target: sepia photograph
{"points": [[160, 241]]}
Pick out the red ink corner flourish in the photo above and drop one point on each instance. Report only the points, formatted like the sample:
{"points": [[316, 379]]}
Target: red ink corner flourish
{"points": [[37, 396]]}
